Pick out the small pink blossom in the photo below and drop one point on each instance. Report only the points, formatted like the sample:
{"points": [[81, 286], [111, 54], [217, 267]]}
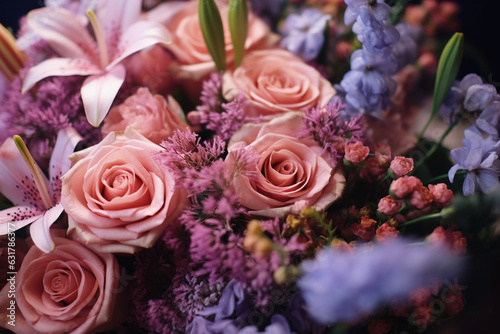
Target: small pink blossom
{"points": [[441, 195], [454, 300], [389, 206], [453, 240], [401, 166], [421, 198], [386, 232], [356, 152], [404, 186], [365, 230]]}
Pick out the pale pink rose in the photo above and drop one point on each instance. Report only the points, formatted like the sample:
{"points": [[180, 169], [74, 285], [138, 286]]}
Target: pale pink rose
{"points": [[401, 166], [71, 289], [117, 197], [275, 82], [404, 186], [188, 45], [290, 170], [441, 195], [356, 152], [389, 206], [148, 114]]}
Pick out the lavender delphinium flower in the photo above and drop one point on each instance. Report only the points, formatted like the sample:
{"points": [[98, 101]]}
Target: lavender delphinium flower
{"points": [[479, 156], [368, 86], [469, 95], [405, 51], [489, 120], [304, 32], [345, 286], [376, 35], [379, 9]]}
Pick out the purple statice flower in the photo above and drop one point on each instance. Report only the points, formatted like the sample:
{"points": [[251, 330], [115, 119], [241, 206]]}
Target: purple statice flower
{"points": [[304, 32], [479, 156], [227, 122], [211, 93], [345, 286], [376, 36], [222, 118], [405, 51], [331, 130], [379, 9]]}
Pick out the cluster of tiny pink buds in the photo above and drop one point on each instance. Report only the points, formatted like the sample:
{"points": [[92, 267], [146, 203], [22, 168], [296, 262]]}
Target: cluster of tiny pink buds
{"points": [[404, 186]]}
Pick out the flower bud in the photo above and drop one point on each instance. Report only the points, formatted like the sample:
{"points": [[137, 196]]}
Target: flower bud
{"points": [[213, 32], [237, 17]]}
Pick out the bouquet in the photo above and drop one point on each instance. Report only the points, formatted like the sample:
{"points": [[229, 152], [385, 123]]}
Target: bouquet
{"points": [[242, 167]]}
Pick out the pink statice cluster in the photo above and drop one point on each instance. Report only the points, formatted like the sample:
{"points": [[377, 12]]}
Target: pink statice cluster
{"points": [[255, 174]]}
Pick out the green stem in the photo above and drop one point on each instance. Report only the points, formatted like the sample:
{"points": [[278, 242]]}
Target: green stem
{"points": [[434, 147], [445, 176], [422, 218]]}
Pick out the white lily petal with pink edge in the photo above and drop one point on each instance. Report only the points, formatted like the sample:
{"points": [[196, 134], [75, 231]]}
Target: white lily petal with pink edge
{"points": [[18, 185], [118, 33]]}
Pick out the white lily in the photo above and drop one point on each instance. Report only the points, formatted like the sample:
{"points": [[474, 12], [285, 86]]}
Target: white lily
{"points": [[118, 34], [35, 197]]}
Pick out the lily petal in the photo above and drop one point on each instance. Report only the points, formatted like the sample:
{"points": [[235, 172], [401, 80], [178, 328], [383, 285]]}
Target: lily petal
{"points": [[67, 139], [115, 16], [40, 229], [139, 36], [59, 67], [16, 181], [64, 33], [99, 91], [11, 219]]}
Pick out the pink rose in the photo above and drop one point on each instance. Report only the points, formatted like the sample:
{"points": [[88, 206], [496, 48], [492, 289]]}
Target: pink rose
{"points": [[356, 152], [188, 45], [71, 289], [148, 114], [289, 169], [275, 82], [117, 197], [386, 232]]}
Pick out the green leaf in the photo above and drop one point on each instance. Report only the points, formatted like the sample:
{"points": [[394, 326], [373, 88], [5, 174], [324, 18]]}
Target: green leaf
{"points": [[213, 32], [237, 17], [447, 70]]}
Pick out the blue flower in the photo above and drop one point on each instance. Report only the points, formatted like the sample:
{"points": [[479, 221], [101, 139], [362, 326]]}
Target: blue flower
{"points": [[367, 88], [479, 156], [489, 120], [379, 8], [344, 286], [376, 36], [304, 33], [405, 51]]}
